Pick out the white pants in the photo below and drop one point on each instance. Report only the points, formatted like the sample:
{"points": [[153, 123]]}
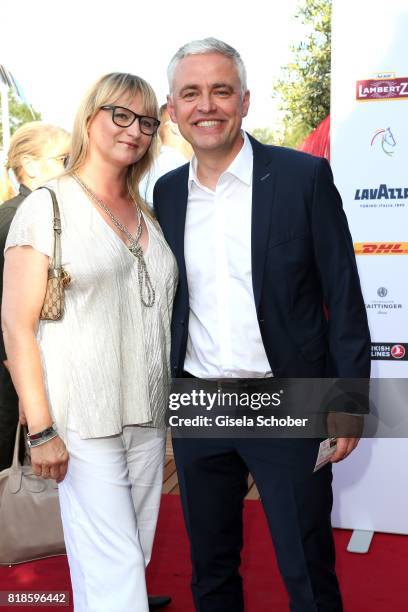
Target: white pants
{"points": [[110, 501]]}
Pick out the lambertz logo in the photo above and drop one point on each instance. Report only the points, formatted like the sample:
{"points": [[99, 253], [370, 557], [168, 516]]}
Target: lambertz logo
{"points": [[381, 248], [389, 351], [383, 306], [386, 139], [380, 88], [382, 196]]}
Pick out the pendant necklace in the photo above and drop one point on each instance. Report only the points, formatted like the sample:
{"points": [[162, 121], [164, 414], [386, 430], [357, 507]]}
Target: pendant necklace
{"points": [[147, 292]]}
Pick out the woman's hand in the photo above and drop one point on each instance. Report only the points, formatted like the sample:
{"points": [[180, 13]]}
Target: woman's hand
{"points": [[50, 460]]}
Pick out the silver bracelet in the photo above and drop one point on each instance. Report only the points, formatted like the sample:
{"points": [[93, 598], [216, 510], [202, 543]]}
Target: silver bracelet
{"points": [[41, 437]]}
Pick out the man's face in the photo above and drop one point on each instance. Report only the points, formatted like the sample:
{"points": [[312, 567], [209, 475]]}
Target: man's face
{"points": [[207, 103]]}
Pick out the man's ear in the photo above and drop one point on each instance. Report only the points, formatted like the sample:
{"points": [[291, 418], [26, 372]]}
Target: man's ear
{"points": [[170, 108], [245, 103]]}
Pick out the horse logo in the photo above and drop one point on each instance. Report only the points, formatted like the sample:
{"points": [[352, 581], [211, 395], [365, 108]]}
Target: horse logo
{"points": [[386, 137]]}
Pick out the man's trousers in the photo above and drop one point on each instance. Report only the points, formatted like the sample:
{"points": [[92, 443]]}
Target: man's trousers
{"points": [[297, 502]]}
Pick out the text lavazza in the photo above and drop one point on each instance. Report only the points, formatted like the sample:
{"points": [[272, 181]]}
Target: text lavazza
{"points": [[244, 421], [382, 193]]}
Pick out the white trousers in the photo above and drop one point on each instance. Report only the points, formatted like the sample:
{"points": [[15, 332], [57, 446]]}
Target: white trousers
{"points": [[110, 501]]}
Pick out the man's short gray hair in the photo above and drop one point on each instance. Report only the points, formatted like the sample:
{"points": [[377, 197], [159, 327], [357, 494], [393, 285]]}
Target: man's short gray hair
{"points": [[208, 45]]}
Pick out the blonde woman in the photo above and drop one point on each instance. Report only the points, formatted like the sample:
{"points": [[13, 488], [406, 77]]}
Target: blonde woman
{"points": [[93, 386], [36, 154]]}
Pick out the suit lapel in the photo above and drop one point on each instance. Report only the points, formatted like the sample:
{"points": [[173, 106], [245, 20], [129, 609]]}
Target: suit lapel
{"points": [[263, 185], [179, 210]]}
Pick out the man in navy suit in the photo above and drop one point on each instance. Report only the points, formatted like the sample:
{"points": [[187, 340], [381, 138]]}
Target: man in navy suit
{"points": [[262, 244]]}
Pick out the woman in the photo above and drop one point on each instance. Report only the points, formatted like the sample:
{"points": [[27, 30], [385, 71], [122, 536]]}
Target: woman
{"points": [[100, 374], [36, 154]]}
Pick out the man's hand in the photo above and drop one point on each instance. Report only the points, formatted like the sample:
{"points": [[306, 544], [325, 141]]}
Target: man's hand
{"points": [[344, 447], [347, 428]]}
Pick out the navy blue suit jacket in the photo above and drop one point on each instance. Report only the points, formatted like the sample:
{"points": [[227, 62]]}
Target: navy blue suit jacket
{"points": [[302, 259]]}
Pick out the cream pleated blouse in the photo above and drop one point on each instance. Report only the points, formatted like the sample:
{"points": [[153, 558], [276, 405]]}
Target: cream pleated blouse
{"points": [[106, 363]]}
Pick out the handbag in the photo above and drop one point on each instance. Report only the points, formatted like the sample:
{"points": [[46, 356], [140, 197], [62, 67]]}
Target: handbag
{"points": [[58, 278], [30, 521]]}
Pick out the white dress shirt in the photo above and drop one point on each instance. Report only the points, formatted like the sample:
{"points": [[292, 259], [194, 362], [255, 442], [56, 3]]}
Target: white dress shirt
{"points": [[224, 339]]}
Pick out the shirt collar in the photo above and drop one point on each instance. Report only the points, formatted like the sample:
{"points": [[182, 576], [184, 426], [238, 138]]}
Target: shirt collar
{"points": [[240, 167]]}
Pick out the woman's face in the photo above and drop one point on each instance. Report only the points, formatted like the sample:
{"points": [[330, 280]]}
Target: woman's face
{"points": [[54, 158], [38, 170], [118, 146]]}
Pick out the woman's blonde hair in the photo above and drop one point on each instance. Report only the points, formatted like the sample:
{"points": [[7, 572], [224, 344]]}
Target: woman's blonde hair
{"points": [[108, 90], [29, 140]]}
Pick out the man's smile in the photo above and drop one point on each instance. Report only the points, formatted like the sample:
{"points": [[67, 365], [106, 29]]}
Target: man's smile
{"points": [[208, 123]]}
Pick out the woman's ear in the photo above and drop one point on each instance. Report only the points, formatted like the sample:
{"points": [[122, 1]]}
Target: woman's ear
{"points": [[30, 166]]}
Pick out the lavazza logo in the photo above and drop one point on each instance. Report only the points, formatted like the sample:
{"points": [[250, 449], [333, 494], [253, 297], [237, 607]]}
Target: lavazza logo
{"points": [[382, 87], [389, 351], [381, 248], [383, 306], [382, 196]]}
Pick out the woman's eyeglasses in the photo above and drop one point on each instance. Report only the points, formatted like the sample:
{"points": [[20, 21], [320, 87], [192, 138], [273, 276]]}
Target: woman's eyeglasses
{"points": [[123, 117], [63, 159]]}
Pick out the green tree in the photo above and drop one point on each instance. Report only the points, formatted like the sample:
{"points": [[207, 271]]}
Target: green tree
{"points": [[19, 113], [304, 89], [264, 135]]}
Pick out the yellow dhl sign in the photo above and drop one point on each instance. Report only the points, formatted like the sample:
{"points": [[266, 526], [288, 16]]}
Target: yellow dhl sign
{"points": [[381, 248]]}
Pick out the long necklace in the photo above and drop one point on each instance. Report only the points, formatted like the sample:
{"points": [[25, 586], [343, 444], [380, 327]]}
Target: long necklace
{"points": [[147, 292]]}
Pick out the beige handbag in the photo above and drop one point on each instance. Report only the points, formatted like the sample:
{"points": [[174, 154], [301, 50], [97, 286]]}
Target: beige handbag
{"points": [[30, 522], [58, 279]]}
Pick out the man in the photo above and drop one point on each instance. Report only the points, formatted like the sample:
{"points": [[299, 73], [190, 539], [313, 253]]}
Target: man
{"points": [[261, 242], [174, 152]]}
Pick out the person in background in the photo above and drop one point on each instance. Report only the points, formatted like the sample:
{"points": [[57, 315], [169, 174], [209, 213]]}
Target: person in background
{"points": [[37, 153], [174, 152], [93, 385]]}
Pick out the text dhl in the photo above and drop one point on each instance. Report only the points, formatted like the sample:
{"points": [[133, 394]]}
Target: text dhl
{"points": [[381, 248]]}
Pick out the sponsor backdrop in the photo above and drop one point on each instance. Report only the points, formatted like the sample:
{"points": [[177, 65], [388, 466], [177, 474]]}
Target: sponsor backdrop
{"points": [[369, 152]]}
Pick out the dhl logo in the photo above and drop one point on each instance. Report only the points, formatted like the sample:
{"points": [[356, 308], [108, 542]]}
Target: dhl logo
{"points": [[381, 248]]}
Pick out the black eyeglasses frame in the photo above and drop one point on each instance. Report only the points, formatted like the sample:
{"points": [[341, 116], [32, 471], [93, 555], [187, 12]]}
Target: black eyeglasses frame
{"points": [[113, 108]]}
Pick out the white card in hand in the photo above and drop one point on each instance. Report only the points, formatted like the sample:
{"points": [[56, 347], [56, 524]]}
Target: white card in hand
{"points": [[326, 449]]}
